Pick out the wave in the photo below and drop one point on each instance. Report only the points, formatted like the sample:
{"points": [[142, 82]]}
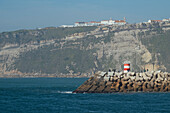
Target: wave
{"points": [[66, 92]]}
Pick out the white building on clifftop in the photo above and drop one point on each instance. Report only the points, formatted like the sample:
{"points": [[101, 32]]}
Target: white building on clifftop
{"points": [[103, 22]]}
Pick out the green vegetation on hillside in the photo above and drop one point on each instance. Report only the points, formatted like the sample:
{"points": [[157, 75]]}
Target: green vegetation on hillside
{"points": [[54, 60], [159, 44], [27, 36]]}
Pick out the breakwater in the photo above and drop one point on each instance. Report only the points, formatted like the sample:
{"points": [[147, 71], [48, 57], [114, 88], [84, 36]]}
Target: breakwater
{"points": [[112, 82]]}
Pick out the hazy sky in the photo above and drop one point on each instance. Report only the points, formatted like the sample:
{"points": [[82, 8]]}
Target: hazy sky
{"points": [[31, 14]]}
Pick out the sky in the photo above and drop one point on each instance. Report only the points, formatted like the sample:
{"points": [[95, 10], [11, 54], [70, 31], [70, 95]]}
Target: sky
{"points": [[32, 14]]}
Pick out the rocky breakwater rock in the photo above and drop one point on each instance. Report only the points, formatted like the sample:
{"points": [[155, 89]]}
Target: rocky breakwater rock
{"points": [[126, 82]]}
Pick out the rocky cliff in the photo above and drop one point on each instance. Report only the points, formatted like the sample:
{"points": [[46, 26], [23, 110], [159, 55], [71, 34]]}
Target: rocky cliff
{"points": [[85, 50]]}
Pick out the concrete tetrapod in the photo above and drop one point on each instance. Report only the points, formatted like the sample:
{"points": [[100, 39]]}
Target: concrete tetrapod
{"points": [[127, 82]]}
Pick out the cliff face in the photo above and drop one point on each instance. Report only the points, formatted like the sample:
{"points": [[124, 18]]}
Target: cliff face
{"points": [[84, 50]]}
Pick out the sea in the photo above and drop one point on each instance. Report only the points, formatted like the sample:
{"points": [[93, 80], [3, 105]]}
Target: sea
{"points": [[54, 95]]}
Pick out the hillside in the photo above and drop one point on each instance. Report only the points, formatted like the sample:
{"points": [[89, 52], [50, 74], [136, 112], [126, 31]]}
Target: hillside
{"points": [[84, 50]]}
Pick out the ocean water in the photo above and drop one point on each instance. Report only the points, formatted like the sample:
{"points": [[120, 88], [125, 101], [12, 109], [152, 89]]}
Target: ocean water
{"points": [[53, 95]]}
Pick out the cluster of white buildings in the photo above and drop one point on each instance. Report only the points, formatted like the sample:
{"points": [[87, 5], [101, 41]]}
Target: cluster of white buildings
{"points": [[94, 23], [109, 22], [163, 20], [103, 22]]}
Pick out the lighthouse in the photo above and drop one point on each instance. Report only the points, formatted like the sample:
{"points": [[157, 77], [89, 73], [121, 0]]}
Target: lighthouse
{"points": [[126, 66]]}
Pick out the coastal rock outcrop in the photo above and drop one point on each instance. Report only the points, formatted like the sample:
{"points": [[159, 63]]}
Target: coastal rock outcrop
{"points": [[126, 82]]}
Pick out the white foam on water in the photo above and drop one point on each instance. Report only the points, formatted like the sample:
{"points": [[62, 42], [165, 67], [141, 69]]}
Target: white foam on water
{"points": [[66, 92]]}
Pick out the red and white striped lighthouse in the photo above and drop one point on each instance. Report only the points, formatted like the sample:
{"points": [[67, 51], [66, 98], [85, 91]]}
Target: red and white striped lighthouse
{"points": [[126, 67]]}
